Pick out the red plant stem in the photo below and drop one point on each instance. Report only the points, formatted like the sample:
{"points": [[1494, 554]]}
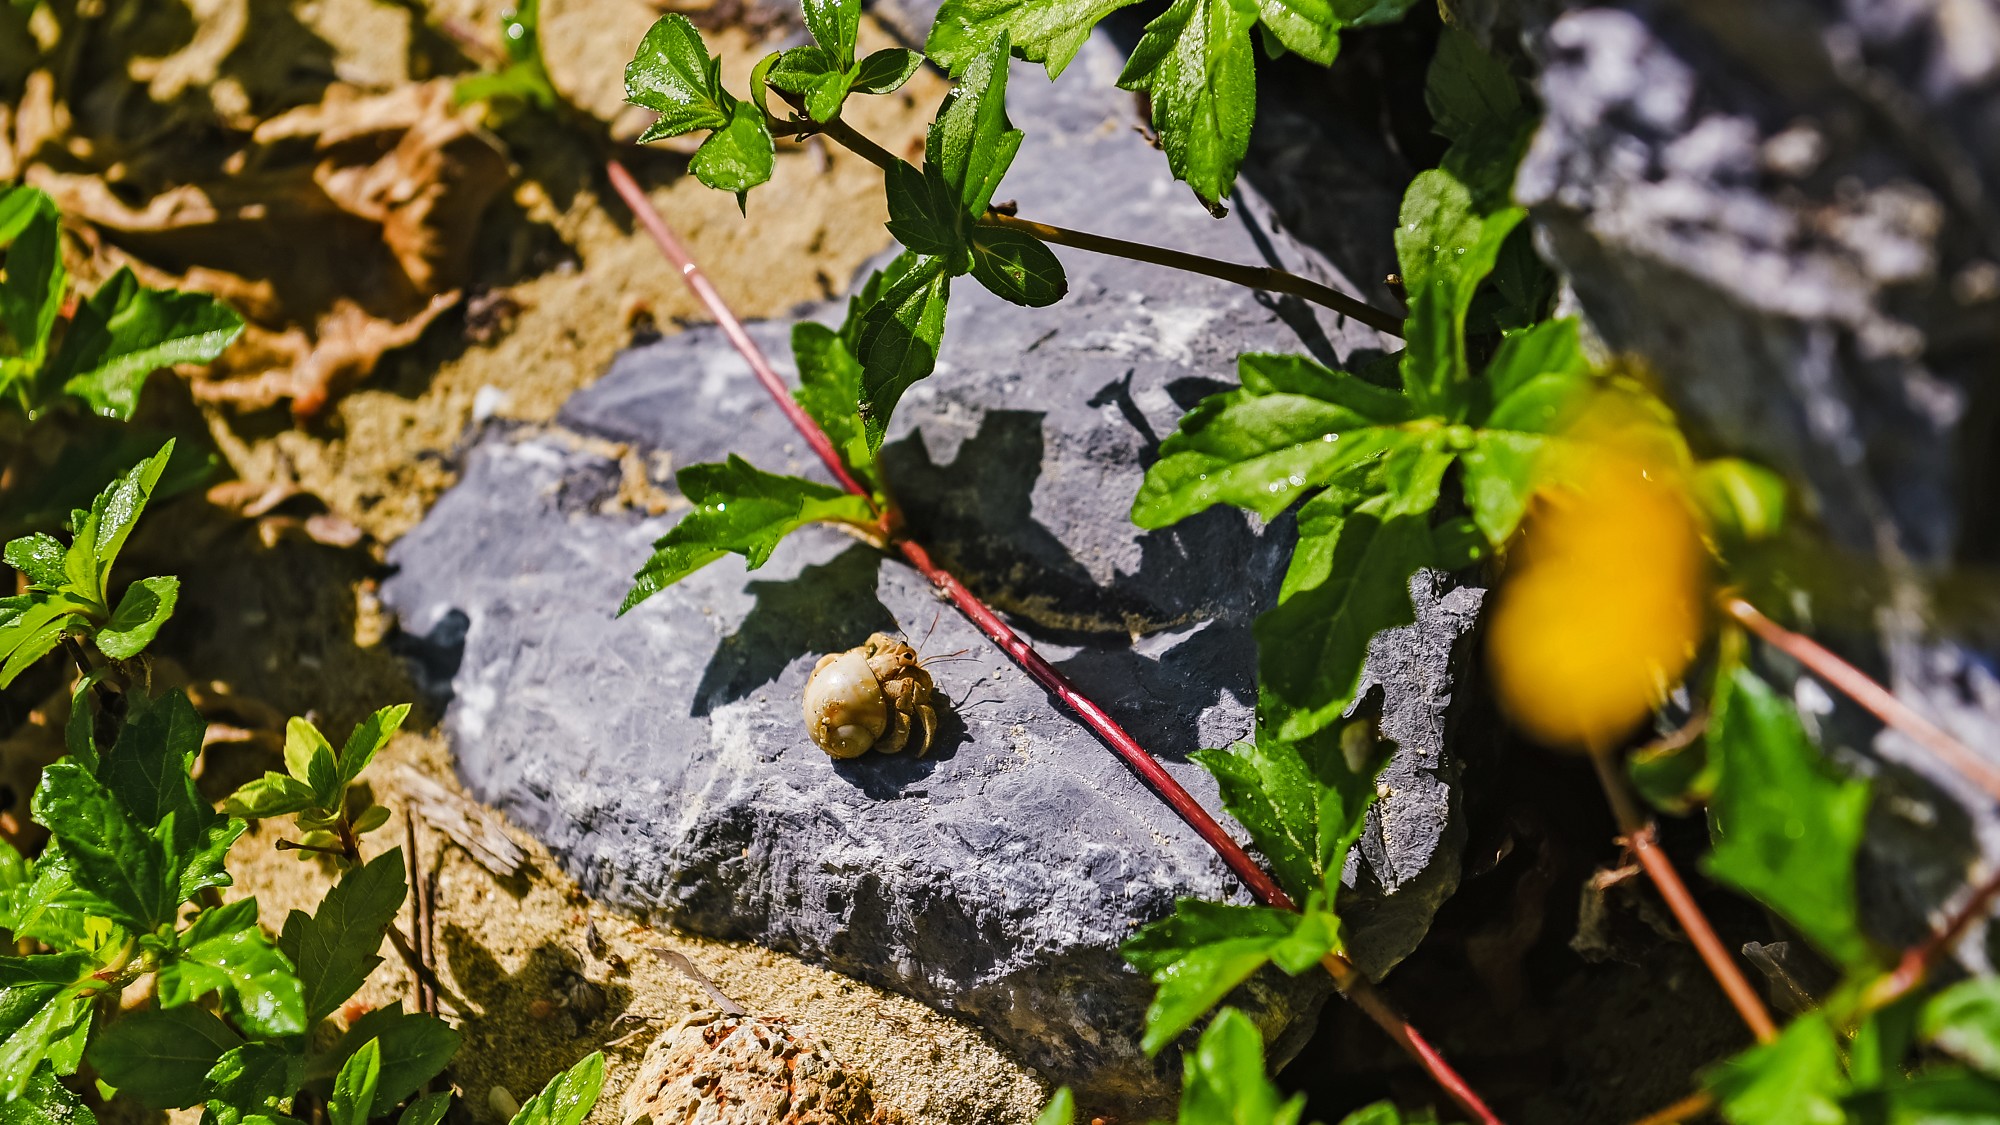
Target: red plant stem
{"points": [[1919, 959], [1643, 840], [1347, 977], [663, 236], [1857, 685]]}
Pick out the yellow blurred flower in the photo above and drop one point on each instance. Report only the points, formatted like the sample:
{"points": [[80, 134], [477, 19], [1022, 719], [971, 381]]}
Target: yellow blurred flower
{"points": [[1603, 602]]}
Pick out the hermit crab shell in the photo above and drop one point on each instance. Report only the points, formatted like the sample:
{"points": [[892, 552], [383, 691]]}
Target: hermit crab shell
{"points": [[871, 697]]}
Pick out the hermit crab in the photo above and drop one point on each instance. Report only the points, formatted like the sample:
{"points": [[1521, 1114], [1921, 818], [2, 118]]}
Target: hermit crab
{"points": [[870, 698]]}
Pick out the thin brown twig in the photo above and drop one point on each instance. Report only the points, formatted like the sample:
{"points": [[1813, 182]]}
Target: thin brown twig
{"points": [[1267, 278], [421, 917], [1688, 1108], [1641, 837], [420, 970], [1347, 977], [1858, 686]]}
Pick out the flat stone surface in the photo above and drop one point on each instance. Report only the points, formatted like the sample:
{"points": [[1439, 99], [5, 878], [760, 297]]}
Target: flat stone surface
{"points": [[663, 756]]}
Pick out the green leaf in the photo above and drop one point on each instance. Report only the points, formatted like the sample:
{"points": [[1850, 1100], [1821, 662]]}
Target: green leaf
{"points": [[147, 773], [1049, 32], [1743, 501], [37, 910], [1963, 1021], [226, 951], [104, 529], [1311, 647], [1476, 104], [1446, 248], [415, 1049], [1016, 266], [1942, 1096], [354, 1088], [33, 286], [1320, 520], [1223, 1082], [46, 1101], [830, 391], [1538, 379], [369, 736], [145, 607], [1306, 27], [1203, 950], [885, 71], [303, 743], [1303, 802], [1795, 1080], [737, 156], [568, 1097], [798, 70], [40, 557], [739, 509], [161, 1057], [120, 870], [826, 95], [1787, 826], [371, 818], [334, 948], [44, 1010], [673, 75], [834, 24], [971, 143], [34, 633], [18, 205], [898, 339], [1198, 64], [255, 1079], [125, 331], [1061, 1109], [924, 213], [274, 794], [1387, 1113], [427, 1110]]}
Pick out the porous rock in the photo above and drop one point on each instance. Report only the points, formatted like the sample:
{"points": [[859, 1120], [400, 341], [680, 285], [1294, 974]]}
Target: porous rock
{"points": [[714, 1068], [663, 755], [1791, 212]]}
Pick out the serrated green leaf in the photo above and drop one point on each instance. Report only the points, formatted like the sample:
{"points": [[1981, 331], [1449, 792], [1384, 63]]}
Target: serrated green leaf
{"points": [[226, 952], [1319, 521], [1203, 950], [1016, 266], [31, 627], [145, 607], [1061, 1109], [830, 391], [898, 339], [323, 775], [737, 156], [333, 949], [1940, 1096], [1049, 32], [34, 910], [1476, 104], [1787, 825], [46, 1101], [45, 1006], [568, 1097], [369, 736], [255, 1078], [415, 1049], [125, 331], [148, 768], [118, 868], [798, 69], [1537, 380], [1199, 66], [826, 95], [924, 214], [40, 557], [1794, 1080], [1307, 28], [274, 794], [1963, 1021], [1303, 802], [33, 286], [1223, 1082], [427, 1110], [161, 1057], [1446, 247], [971, 143], [834, 24], [737, 509], [303, 742], [672, 75], [354, 1087], [885, 71], [1311, 647], [102, 532]]}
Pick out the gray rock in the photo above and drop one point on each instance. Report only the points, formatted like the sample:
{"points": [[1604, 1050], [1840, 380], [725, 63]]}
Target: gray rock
{"points": [[662, 755], [1791, 211]]}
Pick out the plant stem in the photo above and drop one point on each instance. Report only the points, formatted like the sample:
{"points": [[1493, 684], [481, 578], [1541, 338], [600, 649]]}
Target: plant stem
{"points": [[1857, 685], [1918, 960], [1692, 1106], [1642, 838], [417, 967], [1267, 278], [421, 915], [1346, 976], [295, 846]]}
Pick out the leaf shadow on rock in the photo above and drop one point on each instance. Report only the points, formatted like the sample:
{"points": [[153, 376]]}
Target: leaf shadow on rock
{"points": [[830, 607]]}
